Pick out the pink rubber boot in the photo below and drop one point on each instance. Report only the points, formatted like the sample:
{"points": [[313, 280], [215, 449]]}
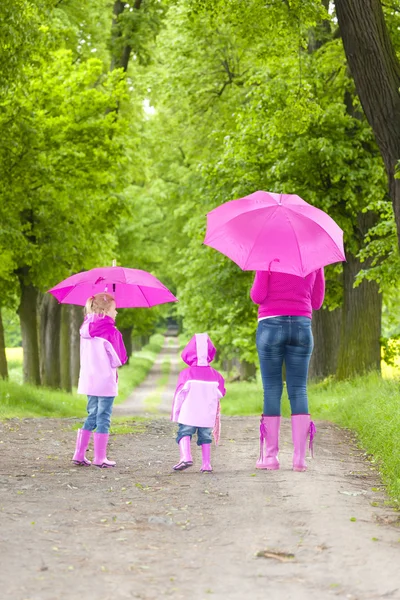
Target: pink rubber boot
{"points": [[186, 455], [269, 443], [100, 451], [206, 455], [82, 442], [302, 427]]}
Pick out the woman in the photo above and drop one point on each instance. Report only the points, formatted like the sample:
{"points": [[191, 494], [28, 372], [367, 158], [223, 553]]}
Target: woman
{"points": [[284, 335]]}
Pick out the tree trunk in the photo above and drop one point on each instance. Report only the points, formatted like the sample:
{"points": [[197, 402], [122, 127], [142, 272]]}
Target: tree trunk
{"points": [[65, 349], [120, 49], [28, 318], [326, 326], [376, 72], [360, 349], [76, 319], [50, 322], [247, 371], [127, 337], [3, 358]]}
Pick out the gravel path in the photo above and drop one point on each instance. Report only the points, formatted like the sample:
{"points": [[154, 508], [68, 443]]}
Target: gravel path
{"points": [[143, 531]]}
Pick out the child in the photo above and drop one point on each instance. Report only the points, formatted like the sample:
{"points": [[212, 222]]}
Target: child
{"points": [[102, 351], [196, 401]]}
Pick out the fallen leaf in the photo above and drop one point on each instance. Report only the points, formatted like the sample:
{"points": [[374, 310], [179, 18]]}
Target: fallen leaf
{"points": [[277, 555]]}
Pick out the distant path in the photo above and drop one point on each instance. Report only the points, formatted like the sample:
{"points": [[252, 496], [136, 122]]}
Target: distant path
{"points": [[135, 404]]}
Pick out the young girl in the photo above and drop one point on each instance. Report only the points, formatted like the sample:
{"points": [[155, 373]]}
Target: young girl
{"points": [[196, 401], [102, 352]]}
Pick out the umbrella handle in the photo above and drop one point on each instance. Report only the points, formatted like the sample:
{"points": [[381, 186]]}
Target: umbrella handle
{"points": [[269, 267]]}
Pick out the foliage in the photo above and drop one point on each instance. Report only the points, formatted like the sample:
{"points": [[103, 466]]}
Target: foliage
{"points": [[233, 115], [12, 331]]}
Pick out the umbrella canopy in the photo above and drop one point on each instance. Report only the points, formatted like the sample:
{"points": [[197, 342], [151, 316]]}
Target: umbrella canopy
{"points": [[280, 232], [131, 288]]}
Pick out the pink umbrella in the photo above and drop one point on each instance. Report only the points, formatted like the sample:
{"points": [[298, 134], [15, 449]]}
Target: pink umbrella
{"points": [[130, 287], [281, 231]]}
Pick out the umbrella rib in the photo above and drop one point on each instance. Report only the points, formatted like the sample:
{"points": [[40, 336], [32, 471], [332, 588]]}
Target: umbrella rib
{"points": [[140, 289], [297, 241], [258, 235]]}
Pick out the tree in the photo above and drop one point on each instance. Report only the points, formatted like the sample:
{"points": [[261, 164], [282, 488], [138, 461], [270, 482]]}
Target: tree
{"points": [[376, 71]]}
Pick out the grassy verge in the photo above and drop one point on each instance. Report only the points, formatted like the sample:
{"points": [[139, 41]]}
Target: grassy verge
{"points": [[367, 405], [20, 401]]}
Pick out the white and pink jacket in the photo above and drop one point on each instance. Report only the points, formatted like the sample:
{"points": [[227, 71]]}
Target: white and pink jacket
{"points": [[199, 388], [102, 352]]}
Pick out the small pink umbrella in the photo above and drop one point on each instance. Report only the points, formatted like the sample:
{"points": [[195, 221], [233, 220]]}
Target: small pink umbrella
{"points": [[130, 287], [279, 231]]}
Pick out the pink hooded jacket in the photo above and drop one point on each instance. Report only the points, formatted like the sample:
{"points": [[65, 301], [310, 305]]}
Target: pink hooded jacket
{"points": [[199, 387], [102, 352]]}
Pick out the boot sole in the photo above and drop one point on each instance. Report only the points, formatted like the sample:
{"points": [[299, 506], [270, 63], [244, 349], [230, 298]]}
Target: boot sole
{"points": [[182, 466]]}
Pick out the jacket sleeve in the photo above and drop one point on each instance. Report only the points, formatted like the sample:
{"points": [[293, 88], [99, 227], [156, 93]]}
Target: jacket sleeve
{"points": [[318, 292], [119, 347], [179, 396], [113, 357], [259, 291], [221, 385]]}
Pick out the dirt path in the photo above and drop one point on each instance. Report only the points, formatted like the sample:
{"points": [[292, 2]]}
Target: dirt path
{"points": [[143, 531], [143, 398]]}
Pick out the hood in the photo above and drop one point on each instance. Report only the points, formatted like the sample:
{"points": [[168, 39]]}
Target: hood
{"points": [[200, 351], [95, 325]]}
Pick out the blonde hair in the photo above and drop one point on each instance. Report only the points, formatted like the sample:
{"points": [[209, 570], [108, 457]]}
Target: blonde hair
{"points": [[99, 304]]}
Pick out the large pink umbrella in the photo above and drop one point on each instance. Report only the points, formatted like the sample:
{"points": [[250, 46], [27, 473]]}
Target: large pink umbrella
{"points": [[130, 287], [280, 232]]}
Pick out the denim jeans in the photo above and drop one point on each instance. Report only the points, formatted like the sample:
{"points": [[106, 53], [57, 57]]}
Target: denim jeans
{"points": [[289, 340], [99, 413], [204, 434]]}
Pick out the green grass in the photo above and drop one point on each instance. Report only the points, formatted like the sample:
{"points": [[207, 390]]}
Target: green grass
{"points": [[29, 401], [369, 405], [21, 401]]}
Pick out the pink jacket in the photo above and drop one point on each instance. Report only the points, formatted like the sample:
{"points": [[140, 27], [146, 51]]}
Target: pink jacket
{"points": [[283, 294], [102, 352], [199, 387]]}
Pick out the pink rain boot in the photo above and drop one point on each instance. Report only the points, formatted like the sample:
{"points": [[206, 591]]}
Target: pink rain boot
{"points": [[269, 443], [100, 451], [186, 455], [82, 442], [206, 454], [302, 426]]}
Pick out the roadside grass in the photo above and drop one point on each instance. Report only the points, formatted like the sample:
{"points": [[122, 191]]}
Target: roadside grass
{"points": [[22, 401], [368, 405]]}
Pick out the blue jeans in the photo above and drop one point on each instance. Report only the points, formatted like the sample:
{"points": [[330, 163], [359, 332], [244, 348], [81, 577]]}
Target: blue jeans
{"points": [[204, 434], [99, 413], [288, 339]]}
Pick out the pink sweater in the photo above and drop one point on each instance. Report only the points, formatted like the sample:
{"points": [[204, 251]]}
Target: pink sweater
{"points": [[281, 294]]}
